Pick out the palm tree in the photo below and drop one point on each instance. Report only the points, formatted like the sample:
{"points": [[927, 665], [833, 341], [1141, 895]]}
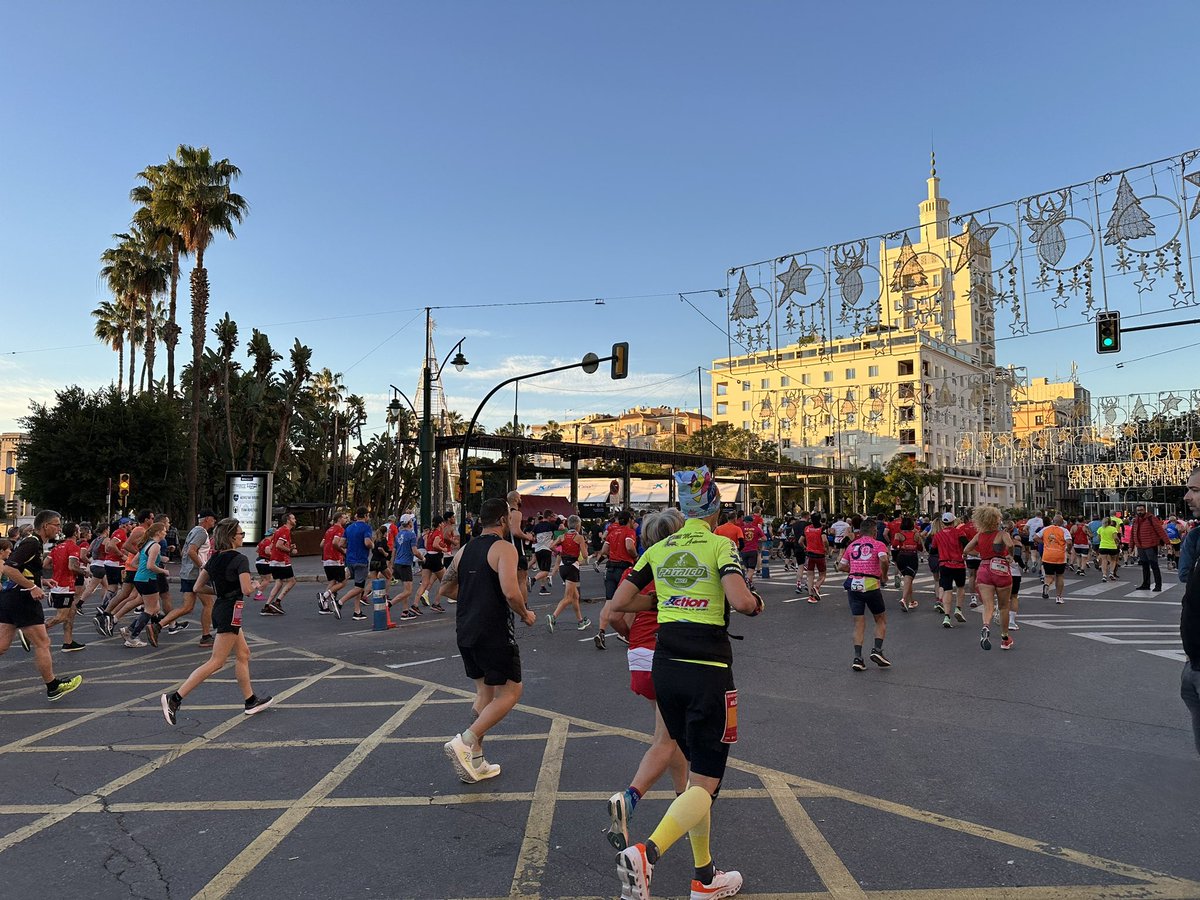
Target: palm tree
{"points": [[135, 273], [226, 332], [197, 201], [151, 217], [301, 357], [111, 325]]}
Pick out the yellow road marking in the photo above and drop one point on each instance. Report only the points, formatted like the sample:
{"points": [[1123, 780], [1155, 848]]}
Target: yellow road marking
{"points": [[828, 865], [242, 864], [64, 726], [65, 811], [535, 847]]}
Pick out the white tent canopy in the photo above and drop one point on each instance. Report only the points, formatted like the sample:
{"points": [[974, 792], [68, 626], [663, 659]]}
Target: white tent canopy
{"points": [[642, 491]]}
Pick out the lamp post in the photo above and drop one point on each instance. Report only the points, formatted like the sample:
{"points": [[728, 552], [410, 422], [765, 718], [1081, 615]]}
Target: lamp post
{"points": [[396, 409], [459, 362]]}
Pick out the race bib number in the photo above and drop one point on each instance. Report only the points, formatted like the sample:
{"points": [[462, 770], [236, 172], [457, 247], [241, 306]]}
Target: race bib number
{"points": [[858, 584], [999, 565], [731, 703]]}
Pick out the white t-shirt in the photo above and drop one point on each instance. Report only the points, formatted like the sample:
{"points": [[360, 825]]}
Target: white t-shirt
{"points": [[839, 529], [1034, 527]]}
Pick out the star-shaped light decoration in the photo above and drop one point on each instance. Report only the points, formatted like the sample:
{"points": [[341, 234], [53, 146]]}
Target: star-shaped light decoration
{"points": [[1145, 283], [1181, 298], [793, 280], [1194, 179], [973, 242]]}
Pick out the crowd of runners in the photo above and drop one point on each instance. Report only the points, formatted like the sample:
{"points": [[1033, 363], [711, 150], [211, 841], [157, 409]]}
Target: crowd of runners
{"points": [[671, 577]]}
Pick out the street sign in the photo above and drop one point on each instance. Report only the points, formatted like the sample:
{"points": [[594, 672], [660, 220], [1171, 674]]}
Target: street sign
{"points": [[10, 471], [591, 362]]}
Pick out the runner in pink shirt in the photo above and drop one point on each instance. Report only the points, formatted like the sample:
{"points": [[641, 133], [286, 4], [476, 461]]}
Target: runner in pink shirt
{"points": [[867, 560]]}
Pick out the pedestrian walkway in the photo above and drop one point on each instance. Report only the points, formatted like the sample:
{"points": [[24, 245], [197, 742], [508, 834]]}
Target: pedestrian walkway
{"points": [[330, 785]]}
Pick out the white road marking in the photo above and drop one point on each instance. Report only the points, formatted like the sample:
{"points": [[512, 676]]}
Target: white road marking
{"points": [[419, 662]]}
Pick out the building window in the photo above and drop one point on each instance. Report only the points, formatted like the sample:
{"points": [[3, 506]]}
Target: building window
{"points": [[872, 371], [908, 435], [722, 388], [1038, 420], [874, 393], [765, 384], [829, 440], [804, 379], [745, 406], [851, 374], [765, 424], [722, 409], [876, 459], [786, 444], [904, 367], [784, 381], [745, 385], [828, 376], [745, 425]]}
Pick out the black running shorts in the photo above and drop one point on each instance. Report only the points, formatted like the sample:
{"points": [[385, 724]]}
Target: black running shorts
{"points": [[907, 562], [691, 698], [113, 575], [262, 567], [222, 617], [20, 610], [282, 573], [861, 601], [434, 562], [335, 573], [146, 588], [1053, 568], [495, 664], [948, 578], [545, 559], [569, 572]]}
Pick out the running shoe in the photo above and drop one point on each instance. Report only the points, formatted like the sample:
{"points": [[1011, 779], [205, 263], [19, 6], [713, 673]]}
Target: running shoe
{"points": [[946, 623], [619, 805], [985, 638], [544, 589], [958, 614], [1059, 601], [483, 770], [336, 607], [405, 614], [324, 610], [206, 640], [1012, 623], [24, 640], [152, 629], [1045, 591], [814, 598], [623, 639], [939, 609], [425, 598], [270, 610], [914, 604], [72, 647], [858, 665], [799, 588], [634, 871], [170, 706], [879, 659], [100, 620], [598, 640], [1006, 642], [110, 624], [974, 601], [459, 755], [134, 643], [359, 616], [724, 884], [416, 610], [584, 625], [903, 605], [550, 622], [257, 704], [258, 595], [437, 607], [451, 600], [64, 687]]}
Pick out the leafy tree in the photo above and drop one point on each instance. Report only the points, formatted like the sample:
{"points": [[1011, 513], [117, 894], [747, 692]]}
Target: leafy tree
{"points": [[553, 431], [903, 482], [111, 327], [724, 440], [75, 444]]}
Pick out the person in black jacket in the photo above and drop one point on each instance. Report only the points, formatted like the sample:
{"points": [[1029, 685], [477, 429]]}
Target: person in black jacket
{"points": [[1189, 618]]}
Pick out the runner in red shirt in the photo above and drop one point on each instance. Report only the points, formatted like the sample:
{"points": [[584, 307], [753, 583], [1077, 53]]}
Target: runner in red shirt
{"points": [[262, 566], [815, 548], [952, 569], [906, 547], [282, 572], [67, 580], [570, 548], [663, 753], [333, 559]]}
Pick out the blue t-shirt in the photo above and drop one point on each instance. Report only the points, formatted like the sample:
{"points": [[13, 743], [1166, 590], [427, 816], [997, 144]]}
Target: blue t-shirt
{"points": [[405, 541], [1094, 530], [1173, 531], [357, 553]]}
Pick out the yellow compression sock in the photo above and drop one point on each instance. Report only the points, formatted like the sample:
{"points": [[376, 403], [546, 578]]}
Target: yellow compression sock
{"points": [[698, 835], [687, 811]]}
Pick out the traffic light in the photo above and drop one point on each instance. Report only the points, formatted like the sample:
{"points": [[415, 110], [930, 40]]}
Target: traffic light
{"points": [[620, 359], [1108, 332], [123, 485], [476, 481]]}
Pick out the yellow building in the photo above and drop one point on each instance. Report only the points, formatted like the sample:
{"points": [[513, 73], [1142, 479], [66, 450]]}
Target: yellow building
{"points": [[642, 428], [911, 385], [1050, 404], [10, 484]]}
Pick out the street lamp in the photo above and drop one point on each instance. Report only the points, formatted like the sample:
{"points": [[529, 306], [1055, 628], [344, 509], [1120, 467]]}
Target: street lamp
{"points": [[396, 409], [459, 362]]}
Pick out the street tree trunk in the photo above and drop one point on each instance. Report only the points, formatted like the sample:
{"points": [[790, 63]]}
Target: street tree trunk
{"points": [[199, 284]]}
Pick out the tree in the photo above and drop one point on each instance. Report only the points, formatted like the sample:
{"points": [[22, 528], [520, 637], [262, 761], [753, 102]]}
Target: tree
{"points": [[111, 325], [903, 477], [301, 358], [553, 431], [724, 440], [198, 202], [135, 273], [226, 332]]}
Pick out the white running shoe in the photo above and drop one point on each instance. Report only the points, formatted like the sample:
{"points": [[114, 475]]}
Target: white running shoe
{"points": [[724, 884], [459, 754], [483, 771], [634, 872], [134, 642]]}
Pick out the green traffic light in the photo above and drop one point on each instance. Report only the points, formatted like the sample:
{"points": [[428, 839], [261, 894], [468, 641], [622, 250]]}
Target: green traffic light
{"points": [[1108, 342]]}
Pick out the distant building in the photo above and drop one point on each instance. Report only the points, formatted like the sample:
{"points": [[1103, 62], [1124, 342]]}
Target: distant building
{"points": [[1049, 404], [10, 485], [640, 428]]}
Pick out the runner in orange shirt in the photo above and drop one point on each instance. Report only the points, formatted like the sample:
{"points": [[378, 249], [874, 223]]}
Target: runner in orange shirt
{"points": [[1055, 541]]}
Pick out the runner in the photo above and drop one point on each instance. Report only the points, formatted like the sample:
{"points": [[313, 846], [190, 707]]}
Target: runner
{"points": [[966, 532], [663, 753], [145, 582], [1108, 535], [1055, 539], [228, 572], [333, 561], [816, 548], [1032, 540], [1081, 540], [96, 578], [127, 599], [114, 561], [699, 578], [932, 560], [21, 602], [952, 569], [358, 557], [752, 538], [620, 548], [196, 550], [402, 564], [483, 579], [866, 560], [1189, 616], [1017, 568], [68, 579], [570, 547], [730, 529], [262, 566], [1174, 529], [282, 573], [995, 575], [521, 540], [543, 538], [432, 564], [450, 544], [906, 547]]}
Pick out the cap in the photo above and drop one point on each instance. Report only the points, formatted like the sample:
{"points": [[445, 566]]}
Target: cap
{"points": [[206, 513], [947, 517], [698, 494], [406, 519], [124, 520]]}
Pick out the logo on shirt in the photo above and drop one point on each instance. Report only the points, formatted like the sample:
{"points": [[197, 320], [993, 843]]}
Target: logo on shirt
{"points": [[681, 570], [685, 603]]}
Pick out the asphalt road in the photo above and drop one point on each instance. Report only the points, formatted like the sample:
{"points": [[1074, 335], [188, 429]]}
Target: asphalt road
{"points": [[1063, 768]]}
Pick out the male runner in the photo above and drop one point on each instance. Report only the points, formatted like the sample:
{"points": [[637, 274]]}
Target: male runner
{"points": [[282, 573], [359, 542], [543, 538], [866, 560], [952, 569], [21, 603], [402, 565], [483, 579], [1033, 530], [620, 548], [1054, 542], [815, 549], [1081, 540], [196, 551], [68, 578], [698, 577], [333, 561]]}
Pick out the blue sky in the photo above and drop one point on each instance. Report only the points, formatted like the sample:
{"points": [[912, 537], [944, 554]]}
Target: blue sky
{"points": [[397, 155]]}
